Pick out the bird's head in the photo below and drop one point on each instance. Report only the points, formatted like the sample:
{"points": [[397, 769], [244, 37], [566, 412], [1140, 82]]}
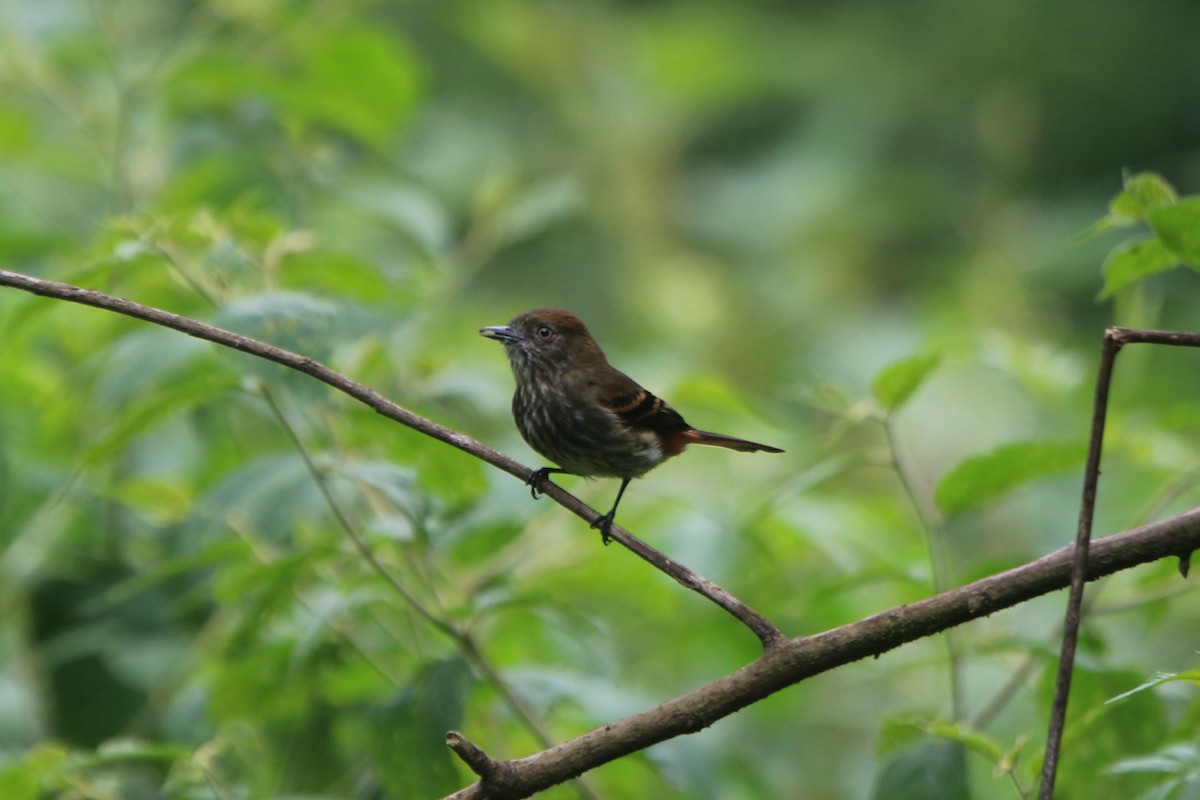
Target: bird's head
{"points": [[546, 340]]}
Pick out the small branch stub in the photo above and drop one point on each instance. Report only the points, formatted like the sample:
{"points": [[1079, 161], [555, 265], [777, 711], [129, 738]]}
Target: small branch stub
{"points": [[495, 777], [470, 754]]}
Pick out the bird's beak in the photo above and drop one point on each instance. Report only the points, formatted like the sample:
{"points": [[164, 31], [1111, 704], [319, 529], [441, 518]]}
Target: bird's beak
{"points": [[501, 333]]}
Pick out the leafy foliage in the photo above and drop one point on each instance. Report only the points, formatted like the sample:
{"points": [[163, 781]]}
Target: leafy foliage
{"points": [[741, 205], [981, 479], [896, 383], [1174, 223]]}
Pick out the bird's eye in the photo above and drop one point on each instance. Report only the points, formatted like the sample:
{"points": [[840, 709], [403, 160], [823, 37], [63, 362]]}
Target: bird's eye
{"points": [[545, 332]]}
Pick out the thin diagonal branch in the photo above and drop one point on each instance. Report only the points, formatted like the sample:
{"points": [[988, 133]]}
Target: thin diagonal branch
{"points": [[935, 545], [766, 632], [1083, 536]]}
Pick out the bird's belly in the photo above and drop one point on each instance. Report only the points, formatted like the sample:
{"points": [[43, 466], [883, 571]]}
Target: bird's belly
{"points": [[624, 457], [585, 443]]}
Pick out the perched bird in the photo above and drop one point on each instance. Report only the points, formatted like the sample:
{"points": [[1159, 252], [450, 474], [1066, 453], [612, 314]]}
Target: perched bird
{"points": [[583, 414]]}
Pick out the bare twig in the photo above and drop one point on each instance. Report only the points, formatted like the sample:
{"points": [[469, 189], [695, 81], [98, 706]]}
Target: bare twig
{"points": [[766, 632], [936, 547], [1114, 339], [1083, 536]]}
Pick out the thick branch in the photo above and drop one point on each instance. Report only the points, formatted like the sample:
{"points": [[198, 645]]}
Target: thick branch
{"points": [[766, 632], [793, 660]]}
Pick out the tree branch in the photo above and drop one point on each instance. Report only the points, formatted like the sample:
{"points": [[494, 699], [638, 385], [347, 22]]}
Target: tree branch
{"points": [[793, 660], [766, 632], [1114, 339], [784, 662]]}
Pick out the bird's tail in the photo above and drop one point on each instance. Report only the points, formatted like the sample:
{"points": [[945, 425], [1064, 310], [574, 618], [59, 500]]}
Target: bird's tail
{"points": [[694, 436]]}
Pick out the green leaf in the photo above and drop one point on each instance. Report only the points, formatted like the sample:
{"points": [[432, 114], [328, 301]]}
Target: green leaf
{"points": [[1099, 733], [1178, 228], [149, 407], [1181, 760], [929, 770], [409, 745], [1190, 676], [906, 731], [443, 472], [971, 739], [895, 384], [1133, 261], [296, 321], [19, 782], [161, 499], [537, 210], [417, 213], [983, 478], [272, 495], [399, 506], [1142, 194], [364, 81], [143, 362], [1179, 416]]}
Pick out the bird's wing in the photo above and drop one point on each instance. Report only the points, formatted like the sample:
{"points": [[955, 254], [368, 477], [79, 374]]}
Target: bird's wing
{"points": [[642, 411], [638, 408]]}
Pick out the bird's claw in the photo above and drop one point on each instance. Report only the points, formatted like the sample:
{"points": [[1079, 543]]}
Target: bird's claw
{"points": [[535, 481], [604, 523]]}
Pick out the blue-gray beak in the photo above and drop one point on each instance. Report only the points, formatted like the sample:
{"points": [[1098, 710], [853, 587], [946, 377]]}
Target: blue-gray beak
{"points": [[501, 333]]}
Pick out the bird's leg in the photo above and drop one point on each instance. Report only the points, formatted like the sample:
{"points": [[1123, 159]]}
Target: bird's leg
{"points": [[605, 522], [538, 477]]}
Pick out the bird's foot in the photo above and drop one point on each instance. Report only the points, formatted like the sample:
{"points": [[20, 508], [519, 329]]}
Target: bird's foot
{"points": [[604, 523], [537, 478]]}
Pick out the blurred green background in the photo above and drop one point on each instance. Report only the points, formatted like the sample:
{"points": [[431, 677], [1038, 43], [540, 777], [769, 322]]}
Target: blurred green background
{"points": [[861, 231]]}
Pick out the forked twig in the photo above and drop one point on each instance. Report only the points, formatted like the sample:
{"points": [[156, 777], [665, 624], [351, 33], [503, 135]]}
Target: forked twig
{"points": [[1114, 339]]}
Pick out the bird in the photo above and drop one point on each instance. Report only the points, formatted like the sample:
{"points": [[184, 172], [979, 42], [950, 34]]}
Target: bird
{"points": [[585, 415]]}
